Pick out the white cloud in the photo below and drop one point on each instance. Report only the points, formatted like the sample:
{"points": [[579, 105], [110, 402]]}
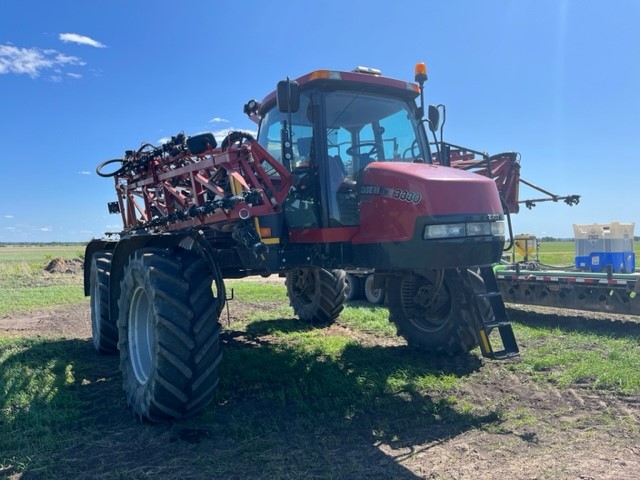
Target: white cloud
{"points": [[80, 39], [74, 75], [33, 61], [218, 120], [84, 172], [45, 229], [9, 216], [220, 134]]}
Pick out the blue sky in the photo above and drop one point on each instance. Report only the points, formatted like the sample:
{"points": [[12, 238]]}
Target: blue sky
{"points": [[82, 81]]}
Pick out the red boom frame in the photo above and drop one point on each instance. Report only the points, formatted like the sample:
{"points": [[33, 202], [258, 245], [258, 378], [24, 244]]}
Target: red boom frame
{"points": [[176, 191]]}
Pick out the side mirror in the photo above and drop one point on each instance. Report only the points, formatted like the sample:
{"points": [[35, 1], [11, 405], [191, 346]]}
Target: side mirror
{"points": [[288, 96], [434, 118]]}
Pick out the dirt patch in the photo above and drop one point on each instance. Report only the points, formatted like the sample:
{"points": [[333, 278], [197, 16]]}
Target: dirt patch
{"points": [[72, 266], [69, 321], [512, 427]]}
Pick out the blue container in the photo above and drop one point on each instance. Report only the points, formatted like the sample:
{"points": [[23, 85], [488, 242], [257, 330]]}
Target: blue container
{"points": [[621, 262]]}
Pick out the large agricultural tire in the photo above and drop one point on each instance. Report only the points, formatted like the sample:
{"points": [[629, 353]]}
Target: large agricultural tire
{"points": [[104, 329], [169, 334], [316, 295], [436, 320], [353, 288], [373, 295]]}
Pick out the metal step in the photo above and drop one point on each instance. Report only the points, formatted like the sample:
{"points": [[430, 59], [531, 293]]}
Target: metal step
{"points": [[500, 319]]}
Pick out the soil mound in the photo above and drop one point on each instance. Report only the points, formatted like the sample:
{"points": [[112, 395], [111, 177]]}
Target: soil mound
{"points": [[64, 265]]}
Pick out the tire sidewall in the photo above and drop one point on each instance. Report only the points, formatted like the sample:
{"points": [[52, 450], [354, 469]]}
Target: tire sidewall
{"points": [[136, 276], [305, 307], [104, 329], [96, 301], [322, 304], [455, 335]]}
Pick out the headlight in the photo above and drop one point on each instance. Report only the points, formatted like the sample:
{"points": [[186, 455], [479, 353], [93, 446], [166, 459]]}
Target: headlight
{"points": [[451, 230], [497, 228], [458, 230], [478, 228]]}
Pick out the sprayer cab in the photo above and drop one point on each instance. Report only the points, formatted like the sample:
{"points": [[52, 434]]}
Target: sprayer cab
{"points": [[363, 175]]}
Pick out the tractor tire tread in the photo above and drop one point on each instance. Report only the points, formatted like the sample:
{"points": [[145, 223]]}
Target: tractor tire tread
{"points": [[185, 372]]}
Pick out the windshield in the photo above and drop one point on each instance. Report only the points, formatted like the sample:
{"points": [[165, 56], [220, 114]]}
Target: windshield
{"points": [[363, 128], [359, 128]]}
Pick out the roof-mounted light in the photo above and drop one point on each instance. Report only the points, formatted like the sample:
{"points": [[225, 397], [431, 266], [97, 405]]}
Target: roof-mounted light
{"points": [[421, 72], [368, 70], [326, 74]]}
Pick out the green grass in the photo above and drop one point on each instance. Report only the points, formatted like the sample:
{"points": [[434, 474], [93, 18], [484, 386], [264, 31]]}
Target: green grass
{"points": [[33, 298], [282, 378], [580, 358], [38, 255], [24, 286], [36, 403], [367, 318]]}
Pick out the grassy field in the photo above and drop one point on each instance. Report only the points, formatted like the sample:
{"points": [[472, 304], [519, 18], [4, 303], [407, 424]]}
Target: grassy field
{"points": [[23, 284], [280, 377]]}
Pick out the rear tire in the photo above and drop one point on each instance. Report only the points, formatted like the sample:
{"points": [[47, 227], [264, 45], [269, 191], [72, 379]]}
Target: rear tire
{"points": [[169, 334], [437, 320], [104, 329], [373, 295], [316, 295]]}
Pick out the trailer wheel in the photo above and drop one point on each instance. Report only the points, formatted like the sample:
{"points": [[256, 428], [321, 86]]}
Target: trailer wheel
{"points": [[431, 313], [169, 333], [104, 330], [373, 295], [316, 295], [353, 289]]}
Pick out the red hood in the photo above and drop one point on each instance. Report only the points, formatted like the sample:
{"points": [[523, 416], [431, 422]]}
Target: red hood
{"points": [[394, 194]]}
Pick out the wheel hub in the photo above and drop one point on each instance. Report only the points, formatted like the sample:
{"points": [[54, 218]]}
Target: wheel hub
{"points": [[141, 335]]}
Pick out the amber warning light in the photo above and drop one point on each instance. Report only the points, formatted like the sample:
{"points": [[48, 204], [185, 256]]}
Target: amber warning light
{"points": [[421, 72]]}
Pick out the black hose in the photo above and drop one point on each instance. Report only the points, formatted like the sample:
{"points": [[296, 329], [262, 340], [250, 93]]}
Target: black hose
{"points": [[505, 208], [122, 169]]}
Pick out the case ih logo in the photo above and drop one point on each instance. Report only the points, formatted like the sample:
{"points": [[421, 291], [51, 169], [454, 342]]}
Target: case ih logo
{"points": [[368, 191]]}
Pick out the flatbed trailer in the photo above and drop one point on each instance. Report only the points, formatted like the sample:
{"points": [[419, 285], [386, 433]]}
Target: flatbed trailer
{"points": [[599, 292]]}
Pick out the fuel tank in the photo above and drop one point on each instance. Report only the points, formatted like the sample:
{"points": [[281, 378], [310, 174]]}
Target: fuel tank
{"points": [[393, 196]]}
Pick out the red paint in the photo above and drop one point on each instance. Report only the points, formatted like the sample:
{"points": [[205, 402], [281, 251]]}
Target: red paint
{"points": [[443, 191], [322, 235]]}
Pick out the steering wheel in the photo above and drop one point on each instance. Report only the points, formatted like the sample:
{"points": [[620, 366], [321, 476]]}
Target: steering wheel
{"points": [[355, 149], [412, 149], [236, 138]]}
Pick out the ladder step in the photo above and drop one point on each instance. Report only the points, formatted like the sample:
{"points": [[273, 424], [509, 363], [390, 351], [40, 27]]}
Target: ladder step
{"points": [[503, 355], [496, 324], [499, 321], [488, 294]]}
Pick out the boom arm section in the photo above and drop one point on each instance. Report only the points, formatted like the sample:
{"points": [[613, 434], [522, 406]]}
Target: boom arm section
{"points": [[504, 168], [188, 183]]}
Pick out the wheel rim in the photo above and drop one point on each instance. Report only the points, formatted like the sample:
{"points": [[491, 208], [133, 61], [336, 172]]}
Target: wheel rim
{"points": [[374, 295], [304, 285], [141, 335], [428, 307], [348, 292]]}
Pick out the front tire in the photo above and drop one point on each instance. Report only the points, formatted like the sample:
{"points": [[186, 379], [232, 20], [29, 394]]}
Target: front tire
{"points": [[316, 295], [104, 329], [432, 312], [169, 334]]}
